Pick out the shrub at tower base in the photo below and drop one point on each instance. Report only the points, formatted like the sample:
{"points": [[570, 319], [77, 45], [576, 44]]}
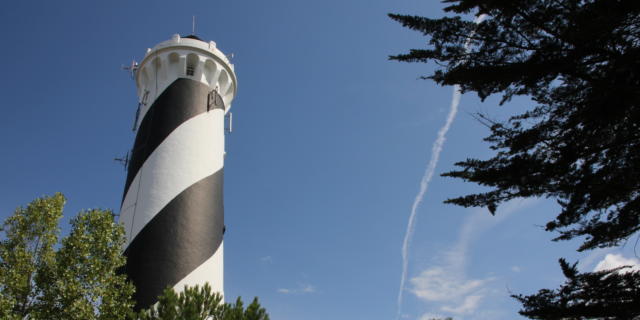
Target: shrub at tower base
{"points": [[45, 277], [195, 303]]}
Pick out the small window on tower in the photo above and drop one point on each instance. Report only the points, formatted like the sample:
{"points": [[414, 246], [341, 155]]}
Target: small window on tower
{"points": [[192, 61]]}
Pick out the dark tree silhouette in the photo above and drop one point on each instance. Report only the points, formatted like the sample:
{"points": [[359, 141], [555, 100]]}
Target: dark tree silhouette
{"points": [[608, 294], [580, 62]]}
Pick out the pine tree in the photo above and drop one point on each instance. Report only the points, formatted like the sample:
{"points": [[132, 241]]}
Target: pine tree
{"points": [[200, 303], [607, 294], [579, 60]]}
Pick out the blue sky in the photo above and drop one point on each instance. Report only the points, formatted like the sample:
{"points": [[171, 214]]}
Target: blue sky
{"points": [[329, 146]]}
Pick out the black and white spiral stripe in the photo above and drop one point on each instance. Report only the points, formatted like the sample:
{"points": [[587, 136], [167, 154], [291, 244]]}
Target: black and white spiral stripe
{"points": [[172, 206]]}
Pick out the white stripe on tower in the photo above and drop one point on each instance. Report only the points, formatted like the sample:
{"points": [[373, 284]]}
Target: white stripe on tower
{"points": [[172, 207], [185, 157]]}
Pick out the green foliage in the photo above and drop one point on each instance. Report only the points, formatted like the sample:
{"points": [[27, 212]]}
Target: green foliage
{"points": [[609, 294], [26, 253], [199, 303], [76, 278], [580, 63]]}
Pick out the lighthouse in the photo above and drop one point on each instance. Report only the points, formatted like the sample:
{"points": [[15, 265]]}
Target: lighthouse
{"points": [[172, 207]]}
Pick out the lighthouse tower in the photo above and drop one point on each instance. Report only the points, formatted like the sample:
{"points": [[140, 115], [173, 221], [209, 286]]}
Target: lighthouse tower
{"points": [[172, 207]]}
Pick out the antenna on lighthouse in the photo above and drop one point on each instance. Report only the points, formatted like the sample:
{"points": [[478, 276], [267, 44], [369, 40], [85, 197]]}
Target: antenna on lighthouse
{"points": [[229, 118], [193, 26], [124, 160], [132, 68]]}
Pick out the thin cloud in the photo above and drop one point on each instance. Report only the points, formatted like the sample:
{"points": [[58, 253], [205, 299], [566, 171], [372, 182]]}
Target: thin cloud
{"points": [[436, 149], [266, 260], [446, 286], [300, 289], [469, 305], [308, 289], [615, 260], [431, 316], [594, 256]]}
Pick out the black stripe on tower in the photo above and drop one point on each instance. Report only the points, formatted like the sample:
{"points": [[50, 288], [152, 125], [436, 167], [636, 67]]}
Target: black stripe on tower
{"points": [[179, 102], [182, 236]]}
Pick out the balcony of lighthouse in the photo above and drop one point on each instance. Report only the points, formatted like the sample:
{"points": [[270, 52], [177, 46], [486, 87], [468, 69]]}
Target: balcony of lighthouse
{"points": [[184, 58]]}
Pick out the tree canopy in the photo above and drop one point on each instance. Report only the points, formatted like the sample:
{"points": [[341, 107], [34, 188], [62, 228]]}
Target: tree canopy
{"points": [[75, 278], [607, 294], [579, 61], [200, 303], [78, 278]]}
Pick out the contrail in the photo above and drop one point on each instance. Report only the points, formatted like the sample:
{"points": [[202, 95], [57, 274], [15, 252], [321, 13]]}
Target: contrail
{"points": [[436, 149]]}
